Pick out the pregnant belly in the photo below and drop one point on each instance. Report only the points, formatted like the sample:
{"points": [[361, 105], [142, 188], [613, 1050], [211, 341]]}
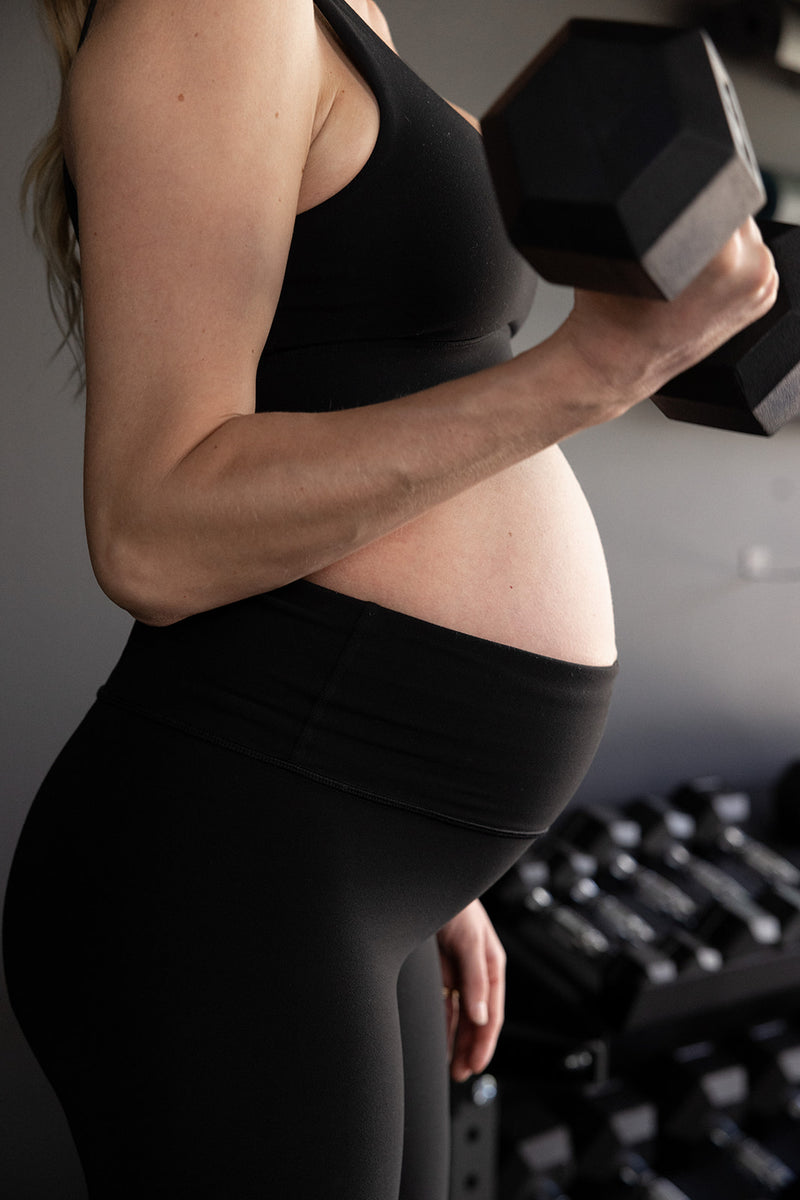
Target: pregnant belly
{"points": [[516, 559]]}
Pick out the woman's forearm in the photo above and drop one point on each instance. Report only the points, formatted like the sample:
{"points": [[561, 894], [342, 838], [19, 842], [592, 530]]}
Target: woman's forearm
{"points": [[262, 499], [271, 497]]}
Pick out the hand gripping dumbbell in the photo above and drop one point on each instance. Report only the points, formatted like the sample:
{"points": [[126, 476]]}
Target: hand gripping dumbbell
{"points": [[622, 164]]}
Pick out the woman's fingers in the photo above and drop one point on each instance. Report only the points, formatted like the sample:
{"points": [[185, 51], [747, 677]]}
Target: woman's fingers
{"points": [[473, 971], [632, 346]]}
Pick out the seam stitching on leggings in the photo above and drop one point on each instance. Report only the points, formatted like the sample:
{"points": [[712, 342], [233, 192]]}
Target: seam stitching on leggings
{"points": [[345, 650], [271, 760]]}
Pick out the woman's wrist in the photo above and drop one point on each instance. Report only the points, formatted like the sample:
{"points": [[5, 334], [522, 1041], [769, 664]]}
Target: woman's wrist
{"points": [[563, 389]]}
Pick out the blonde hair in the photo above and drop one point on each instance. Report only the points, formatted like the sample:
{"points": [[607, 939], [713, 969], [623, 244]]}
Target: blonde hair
{"points": [[43, 189]]}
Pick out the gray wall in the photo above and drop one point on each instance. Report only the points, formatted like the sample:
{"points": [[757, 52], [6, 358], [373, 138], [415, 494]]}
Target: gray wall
{"points": [[710, 681]]}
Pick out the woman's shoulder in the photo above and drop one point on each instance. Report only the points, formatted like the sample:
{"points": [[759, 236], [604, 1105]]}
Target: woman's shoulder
{"points": [[140, 53]]}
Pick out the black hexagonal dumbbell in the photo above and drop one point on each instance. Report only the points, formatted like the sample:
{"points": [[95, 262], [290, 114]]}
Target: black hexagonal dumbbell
{"points": [[627, 884], [540, 1159], [622, 164], [701, 1094], [730, 918], [771, 1054], [614, 1131], [720, 812], [786, 802]]}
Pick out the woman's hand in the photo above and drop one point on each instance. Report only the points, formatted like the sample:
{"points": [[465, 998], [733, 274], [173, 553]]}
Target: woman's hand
{"points": [[633, 346], [474, 977]]}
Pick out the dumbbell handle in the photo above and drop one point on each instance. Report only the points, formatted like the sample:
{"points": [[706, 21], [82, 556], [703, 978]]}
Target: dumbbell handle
{"points": [[751, 1157], [622, 921], [653, 889], [595, 939], [636, 1173], [570, 926], [663, 1189], [728, 893], [760, 858], [720, 813]]}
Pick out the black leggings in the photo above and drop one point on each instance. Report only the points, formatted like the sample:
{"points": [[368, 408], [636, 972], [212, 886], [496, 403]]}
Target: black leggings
{"points": [[219, 927]]}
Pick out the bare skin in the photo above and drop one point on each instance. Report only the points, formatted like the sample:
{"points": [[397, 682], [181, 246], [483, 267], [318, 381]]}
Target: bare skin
{"points": [[192, 499], [195, 133]]}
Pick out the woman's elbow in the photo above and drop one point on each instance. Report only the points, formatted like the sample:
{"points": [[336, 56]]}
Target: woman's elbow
{"points": [[137, 577]]}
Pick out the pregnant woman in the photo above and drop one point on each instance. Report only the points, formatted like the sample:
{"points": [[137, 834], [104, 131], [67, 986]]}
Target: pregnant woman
{"points": [[373, 644]]}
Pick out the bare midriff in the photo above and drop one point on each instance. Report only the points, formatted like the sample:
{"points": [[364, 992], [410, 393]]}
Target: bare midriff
{"points": [[516, 559]]}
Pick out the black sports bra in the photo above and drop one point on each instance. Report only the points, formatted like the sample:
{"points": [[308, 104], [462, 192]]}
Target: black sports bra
{"points": [[405, 278]]}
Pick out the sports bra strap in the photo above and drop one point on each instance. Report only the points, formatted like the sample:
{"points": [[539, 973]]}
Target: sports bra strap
{"points": [[87, 22]]}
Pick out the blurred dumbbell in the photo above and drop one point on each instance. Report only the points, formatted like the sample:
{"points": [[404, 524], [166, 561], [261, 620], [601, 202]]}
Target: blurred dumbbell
{"points": [[599, 829], [608, 1125], [520, 1184], [509, 892], [719, 813], [730, 918], [633, 905], [622, 164], [540, 1161], [661, 824], [726, 917], [770, 878], [571, 936], [614, 837], [615, 1130], [786, 803], [700, 1096], [771, 1054], [636, 1181]]}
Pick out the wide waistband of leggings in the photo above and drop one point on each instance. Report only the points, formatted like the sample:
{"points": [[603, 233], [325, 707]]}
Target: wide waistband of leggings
{"points": [[375, 702]]}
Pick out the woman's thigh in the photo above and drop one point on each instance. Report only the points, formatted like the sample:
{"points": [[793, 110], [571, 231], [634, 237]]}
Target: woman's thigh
{"points": [[426, 1136]]}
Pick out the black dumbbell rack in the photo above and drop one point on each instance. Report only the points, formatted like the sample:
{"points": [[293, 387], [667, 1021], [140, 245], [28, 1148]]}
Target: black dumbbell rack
{"points": [[652, 1040]]}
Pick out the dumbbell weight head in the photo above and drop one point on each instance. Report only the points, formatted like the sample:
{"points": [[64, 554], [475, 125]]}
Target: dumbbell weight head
{"points": [[660, 823], [713, 805], [621, 159], [696, 1084], [599, 830], [702, 1093], [607, 1125], [786, 803], [542, 1156], [771, 1053], [719, 811]]}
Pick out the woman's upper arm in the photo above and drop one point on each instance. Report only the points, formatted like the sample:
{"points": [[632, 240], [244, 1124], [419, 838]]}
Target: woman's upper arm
{"points": [[189, 126]]}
